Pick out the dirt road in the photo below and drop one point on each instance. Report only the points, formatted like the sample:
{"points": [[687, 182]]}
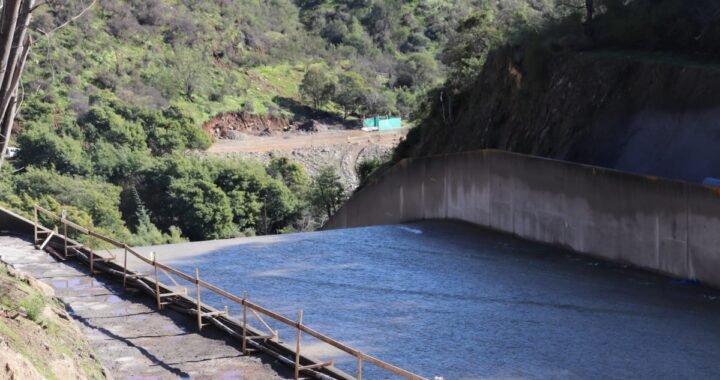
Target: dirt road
{"points": [[290, 142], [341, 149]]}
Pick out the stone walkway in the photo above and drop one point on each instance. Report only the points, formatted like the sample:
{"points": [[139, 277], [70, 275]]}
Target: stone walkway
{"points": [[132, 340]]}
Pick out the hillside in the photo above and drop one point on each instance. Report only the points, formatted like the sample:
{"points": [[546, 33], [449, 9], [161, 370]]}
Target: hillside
{"points": [[616, 110], [210, 57], [636, 95], [109, 128]]}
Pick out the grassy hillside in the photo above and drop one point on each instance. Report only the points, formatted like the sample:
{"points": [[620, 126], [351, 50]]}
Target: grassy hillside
{"points": [[113, 101], [208, 57]]}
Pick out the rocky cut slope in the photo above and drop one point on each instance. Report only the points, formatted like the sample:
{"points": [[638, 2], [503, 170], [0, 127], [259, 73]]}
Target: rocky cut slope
{"points": [[651, 114]]}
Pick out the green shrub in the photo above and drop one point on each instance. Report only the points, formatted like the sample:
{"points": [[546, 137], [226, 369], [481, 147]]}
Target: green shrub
{"points": [[367, 167], [34, 306]]}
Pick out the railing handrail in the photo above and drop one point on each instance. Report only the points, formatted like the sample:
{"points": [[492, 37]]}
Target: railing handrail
{"points": [[241, 301]]}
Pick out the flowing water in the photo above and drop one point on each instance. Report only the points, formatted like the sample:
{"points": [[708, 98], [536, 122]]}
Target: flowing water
{"points": [[452, 300]]}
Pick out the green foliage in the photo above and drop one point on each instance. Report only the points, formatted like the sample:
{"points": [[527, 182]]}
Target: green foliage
{"points": [[117, 163], [292, 174], [42, 147], [201, 209], [327, 192], [350, 93], [318, 85], [214, 56], [172, 130], [33, 306], [100, 200], [266, 199], [146, 233], [367, 167], [115, 101], [220, 198], [104, 123]]}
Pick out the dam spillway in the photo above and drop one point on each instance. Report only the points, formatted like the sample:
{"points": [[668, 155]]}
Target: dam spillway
{"points": [[453, 300]]}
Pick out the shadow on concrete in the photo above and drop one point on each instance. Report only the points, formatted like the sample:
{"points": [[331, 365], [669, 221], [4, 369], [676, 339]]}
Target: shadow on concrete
{"points": [[185, 323], [127, 341]]}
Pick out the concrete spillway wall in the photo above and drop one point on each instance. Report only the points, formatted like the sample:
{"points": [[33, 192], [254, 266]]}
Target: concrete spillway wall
{"points": [[662, 225]]}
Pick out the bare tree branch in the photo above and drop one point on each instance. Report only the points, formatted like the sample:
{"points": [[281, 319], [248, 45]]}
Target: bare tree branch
{"points": [[68, 22]]}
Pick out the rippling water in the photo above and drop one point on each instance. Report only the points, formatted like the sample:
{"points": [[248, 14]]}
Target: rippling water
{"points": [[451, 300]]}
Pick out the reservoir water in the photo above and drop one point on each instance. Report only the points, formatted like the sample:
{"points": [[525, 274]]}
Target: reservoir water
{"points": [[452, 300]]}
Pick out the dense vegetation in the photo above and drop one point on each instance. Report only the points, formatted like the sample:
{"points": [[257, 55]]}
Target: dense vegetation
{"points": [[114, 100], [662, 30]]}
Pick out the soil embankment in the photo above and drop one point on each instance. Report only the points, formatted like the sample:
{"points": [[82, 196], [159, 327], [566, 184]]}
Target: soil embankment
{"points": [[236, 125], [38, 340], [635, 112]]}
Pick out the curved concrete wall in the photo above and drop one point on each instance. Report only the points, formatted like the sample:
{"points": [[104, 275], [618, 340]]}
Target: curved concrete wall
{"points": [[662, 225]]}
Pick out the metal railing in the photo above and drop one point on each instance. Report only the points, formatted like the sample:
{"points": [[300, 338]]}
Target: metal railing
{"points": [[163, 299]]}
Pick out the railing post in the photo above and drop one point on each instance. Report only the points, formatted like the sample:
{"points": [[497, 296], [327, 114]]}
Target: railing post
{"points": [[66, 241], [297, 345], [197, 292], [157, 282], [35, 226], [244, 327], [125, 248], [359, 366], [92, 255]]}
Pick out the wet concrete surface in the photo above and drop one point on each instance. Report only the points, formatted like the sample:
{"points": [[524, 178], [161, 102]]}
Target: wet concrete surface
{"points": [[452, 300], [131, 339]]}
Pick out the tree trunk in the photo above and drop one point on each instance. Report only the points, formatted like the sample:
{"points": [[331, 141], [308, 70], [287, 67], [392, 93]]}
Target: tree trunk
{"points": [[15, 47], [589, 19]]}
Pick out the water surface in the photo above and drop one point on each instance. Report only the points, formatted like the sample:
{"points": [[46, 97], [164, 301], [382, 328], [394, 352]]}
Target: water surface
{"points": [[451, 300]]}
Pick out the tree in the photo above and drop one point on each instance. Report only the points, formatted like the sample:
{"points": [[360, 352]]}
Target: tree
{"points": [[146, 233], [350, 93], [327, 192], [15, 44], [201, 208], [101, 200], [14, 49], [376, 103], [589, 18], [190, 70], [291, 173], [367, 167], [42, 147], [318, 85], [589, 7]]}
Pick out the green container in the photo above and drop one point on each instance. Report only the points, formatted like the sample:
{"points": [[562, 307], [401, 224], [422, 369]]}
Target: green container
{"points": [[383, 123]]}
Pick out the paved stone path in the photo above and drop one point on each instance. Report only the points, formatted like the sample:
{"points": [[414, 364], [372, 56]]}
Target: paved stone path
{"points": [[132, 340]]}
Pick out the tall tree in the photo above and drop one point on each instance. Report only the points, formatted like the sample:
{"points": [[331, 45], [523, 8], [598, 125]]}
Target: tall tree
{"points": [[15, 43], [589, 17], [318, 85], [350, 93], [327, 193], [14, 48]]}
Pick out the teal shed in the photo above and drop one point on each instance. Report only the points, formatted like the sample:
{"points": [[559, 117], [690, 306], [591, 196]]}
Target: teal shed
{"points": [[383, 123]]}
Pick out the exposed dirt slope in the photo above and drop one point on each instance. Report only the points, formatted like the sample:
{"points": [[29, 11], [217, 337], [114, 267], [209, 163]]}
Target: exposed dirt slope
{"points": [[343, 150], [231, 125], [37, 338], [650, 114]]}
